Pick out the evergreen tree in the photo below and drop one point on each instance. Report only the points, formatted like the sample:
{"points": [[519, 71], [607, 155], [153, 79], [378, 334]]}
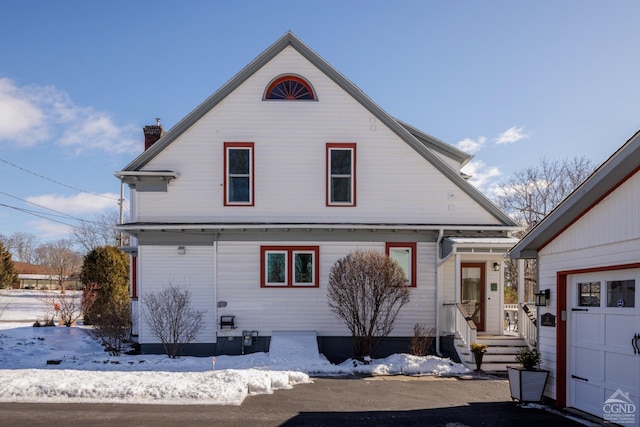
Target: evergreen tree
{"points": [[8, 275], [105, 272]]}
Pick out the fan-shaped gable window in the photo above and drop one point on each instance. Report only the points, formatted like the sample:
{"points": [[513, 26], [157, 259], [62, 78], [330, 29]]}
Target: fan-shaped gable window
{"points": [[290, 88]]}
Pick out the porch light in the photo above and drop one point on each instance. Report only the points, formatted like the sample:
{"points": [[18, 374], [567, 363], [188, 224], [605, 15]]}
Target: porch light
{"points": [[496, 266], [542, 297], [182, 250]]}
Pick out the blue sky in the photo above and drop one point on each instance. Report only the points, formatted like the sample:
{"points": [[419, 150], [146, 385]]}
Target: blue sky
{"points": [[509, 82]]}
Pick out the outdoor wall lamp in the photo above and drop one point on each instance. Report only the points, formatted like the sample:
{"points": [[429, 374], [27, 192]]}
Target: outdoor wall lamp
{"points": [[496, 266], [542, 297], [182, 250]]}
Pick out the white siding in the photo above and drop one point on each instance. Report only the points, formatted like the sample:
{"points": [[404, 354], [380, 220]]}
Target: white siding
{"points": [[614, 219], [161, 266], [394, 183], [609, 234], [269, 309]]}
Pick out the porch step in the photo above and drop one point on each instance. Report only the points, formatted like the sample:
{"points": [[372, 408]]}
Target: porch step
{"points": [[501, 352]]}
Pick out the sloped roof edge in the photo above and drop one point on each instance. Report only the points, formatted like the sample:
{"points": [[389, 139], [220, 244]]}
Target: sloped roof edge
{"points": [[622, 164], [438, 145], [289, 39]]}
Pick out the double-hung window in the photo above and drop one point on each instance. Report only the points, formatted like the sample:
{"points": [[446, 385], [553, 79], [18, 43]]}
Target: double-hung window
{"points": [[238, 174], [289, 266], [405, 255], [341, 174]]}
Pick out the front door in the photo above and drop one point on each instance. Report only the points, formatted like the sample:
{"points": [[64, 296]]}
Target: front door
{"points": [[603, 360], [472, 292]]}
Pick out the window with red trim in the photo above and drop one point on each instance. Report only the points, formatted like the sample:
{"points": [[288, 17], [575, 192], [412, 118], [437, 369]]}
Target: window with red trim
{"points": [[405, 255], [341, 174], [238, 174], [290, 88], [289, 266]]}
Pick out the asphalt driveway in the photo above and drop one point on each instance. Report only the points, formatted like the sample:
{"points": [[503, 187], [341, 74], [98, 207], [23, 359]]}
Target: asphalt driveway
{"points": [[374, 401]]}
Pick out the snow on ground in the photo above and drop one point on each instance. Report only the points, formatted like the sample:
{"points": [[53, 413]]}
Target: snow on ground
{"points": [[86, 373]]}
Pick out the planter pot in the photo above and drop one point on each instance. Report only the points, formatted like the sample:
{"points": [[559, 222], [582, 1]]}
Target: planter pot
{"points": [[527, 385], [478, 358]]}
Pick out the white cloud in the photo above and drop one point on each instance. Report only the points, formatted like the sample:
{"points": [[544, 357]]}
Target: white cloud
{"points": [[471, 146], [21, 118], [79, 204], [511, 135], [49, 229], [33, 114], [483, 177]]}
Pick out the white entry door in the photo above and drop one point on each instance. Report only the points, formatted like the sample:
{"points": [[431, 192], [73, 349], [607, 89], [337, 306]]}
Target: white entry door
{"points": [[603, 358]]}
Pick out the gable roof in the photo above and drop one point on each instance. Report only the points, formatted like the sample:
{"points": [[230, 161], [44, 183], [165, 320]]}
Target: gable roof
{"points": [[416, 139], [622, 165]]}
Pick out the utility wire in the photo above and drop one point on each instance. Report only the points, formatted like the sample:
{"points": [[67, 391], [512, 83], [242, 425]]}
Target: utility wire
{"points": [[34, 213], [64, 215], [57, 182]]}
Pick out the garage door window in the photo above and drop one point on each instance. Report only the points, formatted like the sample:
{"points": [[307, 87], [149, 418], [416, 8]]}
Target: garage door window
{"points": [[621, 293], [589, 294]]}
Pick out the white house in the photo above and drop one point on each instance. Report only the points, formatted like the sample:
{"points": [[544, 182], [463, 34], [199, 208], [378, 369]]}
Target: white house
{"points": [[288, 167], [588, 253]]}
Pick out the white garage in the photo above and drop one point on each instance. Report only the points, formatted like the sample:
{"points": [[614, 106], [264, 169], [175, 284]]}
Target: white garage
{"points": [[588, 253], [604, 324]]}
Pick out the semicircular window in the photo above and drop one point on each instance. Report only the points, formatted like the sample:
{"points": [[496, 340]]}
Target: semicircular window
{"points": [[290, 88]]}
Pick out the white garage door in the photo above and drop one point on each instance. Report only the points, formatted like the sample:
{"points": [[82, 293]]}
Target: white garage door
{"points": [[603, 359]]}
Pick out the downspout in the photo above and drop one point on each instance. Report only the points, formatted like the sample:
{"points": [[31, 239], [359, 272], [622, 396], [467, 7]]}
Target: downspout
{"points": [[440, 236], [215, 285]]}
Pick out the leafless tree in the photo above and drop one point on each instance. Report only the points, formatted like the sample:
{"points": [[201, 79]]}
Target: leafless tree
{"points": [[367, 289], [533, 193], [99, 232], [23, 247], [171, 319], [61, 258]]}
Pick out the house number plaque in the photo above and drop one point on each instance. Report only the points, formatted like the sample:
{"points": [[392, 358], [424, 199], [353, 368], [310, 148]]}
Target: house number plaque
{"points": [[548, 319]]}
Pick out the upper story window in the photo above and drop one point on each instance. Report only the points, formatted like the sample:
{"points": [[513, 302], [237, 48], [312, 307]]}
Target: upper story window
{"points": [[290, 88], [238, 174], [341, 174]]}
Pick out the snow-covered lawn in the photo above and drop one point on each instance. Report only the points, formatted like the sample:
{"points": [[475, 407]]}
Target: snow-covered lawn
{"points": [[86, 373]]}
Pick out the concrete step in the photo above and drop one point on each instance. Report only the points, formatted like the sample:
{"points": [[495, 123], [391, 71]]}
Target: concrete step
{"points": [[501, 352], [496, 367]]}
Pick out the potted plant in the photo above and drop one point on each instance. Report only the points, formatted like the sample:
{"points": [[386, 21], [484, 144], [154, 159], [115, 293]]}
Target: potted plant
{"points": [[478, 351], [527, 382]]}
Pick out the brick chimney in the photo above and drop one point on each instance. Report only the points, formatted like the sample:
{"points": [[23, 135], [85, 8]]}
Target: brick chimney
{"points": [[152, 134]]}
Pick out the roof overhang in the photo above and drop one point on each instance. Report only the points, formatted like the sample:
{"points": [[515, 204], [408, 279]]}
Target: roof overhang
{"points": [[617, 169], [134, 177], [488, 230]]}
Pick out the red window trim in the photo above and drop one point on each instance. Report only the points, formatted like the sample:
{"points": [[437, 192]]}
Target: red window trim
{"points": [[134, 277], [290, 266], [250, 146], [412, 246], [343, 146], [275, 82]]}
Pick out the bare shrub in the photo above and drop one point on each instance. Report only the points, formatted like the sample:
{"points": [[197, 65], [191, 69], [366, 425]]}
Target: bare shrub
{"points": [[66, 306], [367, 289], [421, 340], [112, 327], [171, 319]]}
